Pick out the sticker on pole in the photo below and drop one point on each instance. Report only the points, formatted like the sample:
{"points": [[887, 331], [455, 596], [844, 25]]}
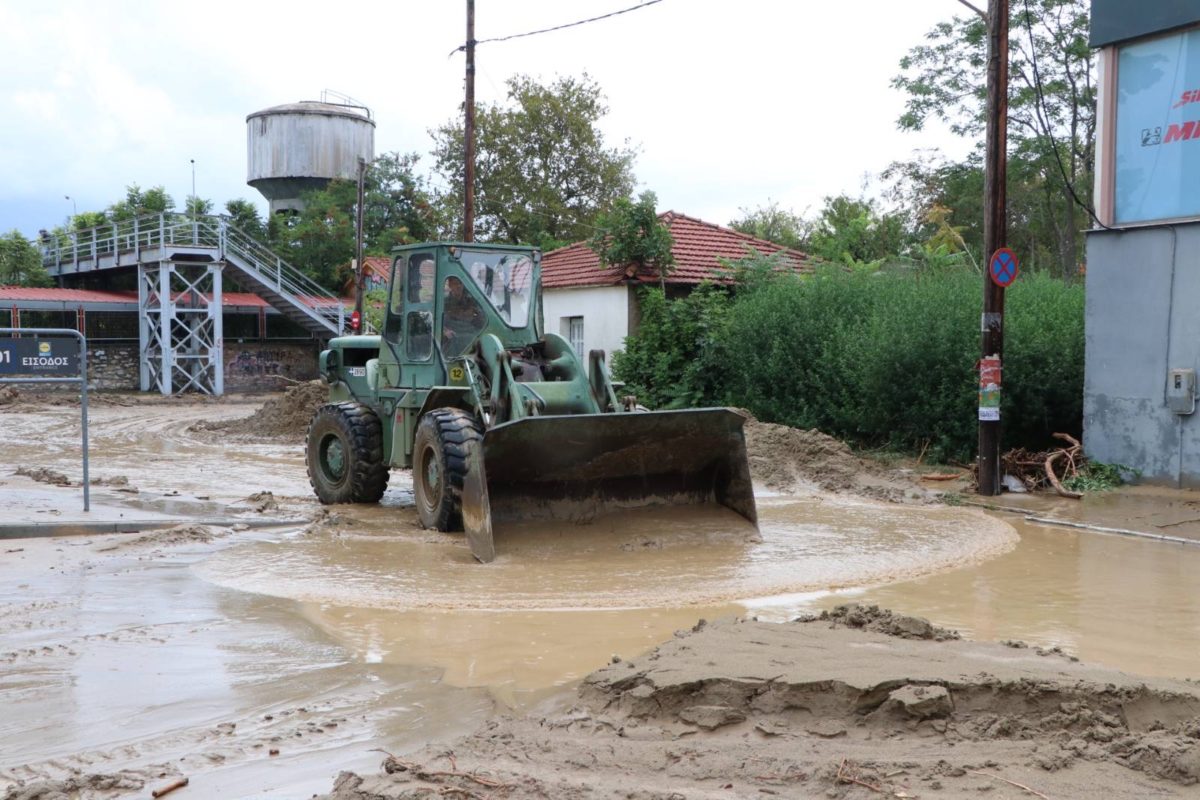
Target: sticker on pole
{"points": [[989, 389], [1004, 267]]}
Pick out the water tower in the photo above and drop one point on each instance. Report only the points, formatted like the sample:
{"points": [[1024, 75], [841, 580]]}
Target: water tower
{"points": [[300, 147]]}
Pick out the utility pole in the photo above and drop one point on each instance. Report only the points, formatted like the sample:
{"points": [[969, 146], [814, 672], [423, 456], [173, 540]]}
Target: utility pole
{"points": [[469, 132], [358, 243], [995, 234]]}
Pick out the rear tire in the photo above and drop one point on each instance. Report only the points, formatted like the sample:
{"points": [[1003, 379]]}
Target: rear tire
{"points": [[442, 447], [345, 454]]}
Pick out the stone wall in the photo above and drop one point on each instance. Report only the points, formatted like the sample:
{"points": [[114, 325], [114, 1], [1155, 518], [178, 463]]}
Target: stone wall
{"points": [[113, 366]]}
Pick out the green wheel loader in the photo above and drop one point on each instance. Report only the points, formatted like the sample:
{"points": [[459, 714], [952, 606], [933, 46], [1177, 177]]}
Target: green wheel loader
{"points": [[497, 418]]}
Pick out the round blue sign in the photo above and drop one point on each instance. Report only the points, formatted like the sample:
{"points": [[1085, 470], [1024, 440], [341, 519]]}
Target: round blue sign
{"points": [[1004, 267]]}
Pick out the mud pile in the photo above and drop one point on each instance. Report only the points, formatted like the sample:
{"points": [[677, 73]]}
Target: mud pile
{"points": [[44, 475], [816, 709], [792, 459], [283, 417], [881, 620], [8, 395]]}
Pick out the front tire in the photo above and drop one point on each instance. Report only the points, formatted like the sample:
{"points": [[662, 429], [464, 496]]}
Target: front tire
{"points": [[345, 454], [442, 446]]}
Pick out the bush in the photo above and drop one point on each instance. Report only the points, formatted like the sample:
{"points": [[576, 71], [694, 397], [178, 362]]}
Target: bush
{"points": [[879, 358], [674, 359]]}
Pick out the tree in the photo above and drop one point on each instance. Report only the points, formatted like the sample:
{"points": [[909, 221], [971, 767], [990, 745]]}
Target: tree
{"points": [[543, 170], [1052, 118], [20, 262], [244, 216], [855, 232], [197, 206], [139, 202], [632, 234], [398, 206], [774, 224]]}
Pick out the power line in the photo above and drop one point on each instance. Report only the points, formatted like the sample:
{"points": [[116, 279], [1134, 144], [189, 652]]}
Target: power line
{"points": [[1044, 116], [463, 47]]}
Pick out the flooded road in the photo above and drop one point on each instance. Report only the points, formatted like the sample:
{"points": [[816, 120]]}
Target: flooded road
{"points": [[364, 631], [1107, 599]]}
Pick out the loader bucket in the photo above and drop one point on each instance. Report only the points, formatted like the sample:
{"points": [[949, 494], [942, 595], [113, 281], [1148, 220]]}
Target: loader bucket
{"points": [[577, 468]]}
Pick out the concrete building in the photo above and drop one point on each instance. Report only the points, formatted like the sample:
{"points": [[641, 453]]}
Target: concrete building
{"points": [[596, 307], [1143, 260]]}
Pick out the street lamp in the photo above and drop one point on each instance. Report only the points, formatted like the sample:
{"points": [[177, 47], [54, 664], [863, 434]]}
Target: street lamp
{"points": [[193, 189], [74, 208]]}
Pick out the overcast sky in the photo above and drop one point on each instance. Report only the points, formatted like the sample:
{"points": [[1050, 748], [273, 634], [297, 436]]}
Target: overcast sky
{"points": [[729, 103]]}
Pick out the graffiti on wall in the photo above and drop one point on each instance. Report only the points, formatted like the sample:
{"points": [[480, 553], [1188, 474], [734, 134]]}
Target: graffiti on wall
{"points": [[255, 363]]}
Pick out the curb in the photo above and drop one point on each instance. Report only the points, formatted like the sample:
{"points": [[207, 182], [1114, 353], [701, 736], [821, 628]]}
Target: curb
{"points": [[41, 530]]}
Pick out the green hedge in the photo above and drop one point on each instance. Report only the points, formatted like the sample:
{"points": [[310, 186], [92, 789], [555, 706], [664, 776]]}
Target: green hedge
{"points": [[879, 358]]}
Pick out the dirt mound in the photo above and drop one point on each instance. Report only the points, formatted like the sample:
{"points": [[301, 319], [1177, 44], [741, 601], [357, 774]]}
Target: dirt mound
{"points": [[283, 417], [8, 395], [44, 475], [792, 459], [178, 535], [743, 709], [881, 620]]}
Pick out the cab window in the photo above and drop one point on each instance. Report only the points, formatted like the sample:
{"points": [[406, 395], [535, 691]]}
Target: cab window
{"points": [[419, 335], [505, 279], [422, 270], [462, 318]]}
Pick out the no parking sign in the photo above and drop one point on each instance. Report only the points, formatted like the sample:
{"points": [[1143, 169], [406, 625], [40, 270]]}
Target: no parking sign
{"points": [[1003, 267]]}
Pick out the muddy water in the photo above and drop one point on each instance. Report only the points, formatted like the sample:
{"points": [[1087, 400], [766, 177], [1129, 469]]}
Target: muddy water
{"points": [[560, 601], [1111, 600]]}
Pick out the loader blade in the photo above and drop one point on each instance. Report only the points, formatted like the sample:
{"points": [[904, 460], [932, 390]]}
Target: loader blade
{"points": [[577, 468]]}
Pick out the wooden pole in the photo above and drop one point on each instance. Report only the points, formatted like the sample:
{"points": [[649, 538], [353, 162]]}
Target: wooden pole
{"points": [[358, 244], [995, 228], [469, 132]]}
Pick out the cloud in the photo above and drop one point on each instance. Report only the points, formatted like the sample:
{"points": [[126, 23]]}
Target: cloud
{"points": [[729, 104]]}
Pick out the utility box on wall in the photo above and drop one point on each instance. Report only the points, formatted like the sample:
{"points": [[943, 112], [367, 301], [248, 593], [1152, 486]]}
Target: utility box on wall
{"points": [[1181, 391]]}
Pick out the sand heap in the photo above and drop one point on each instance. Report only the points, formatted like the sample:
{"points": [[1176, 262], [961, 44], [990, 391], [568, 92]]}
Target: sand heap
{"points": [[8, 395], [818, 709], [792, 459], [283, 417]]}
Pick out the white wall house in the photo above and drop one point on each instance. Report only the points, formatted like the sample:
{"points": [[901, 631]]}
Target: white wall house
{"points": [[596, 307], [589, 317]]}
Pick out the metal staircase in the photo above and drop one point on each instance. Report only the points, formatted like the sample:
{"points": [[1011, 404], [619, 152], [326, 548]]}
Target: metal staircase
{"points": [[181, 261], [157, 238]]}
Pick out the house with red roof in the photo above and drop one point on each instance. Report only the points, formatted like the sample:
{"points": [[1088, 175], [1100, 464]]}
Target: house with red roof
{"points": [[596, 307], [377, 272]]}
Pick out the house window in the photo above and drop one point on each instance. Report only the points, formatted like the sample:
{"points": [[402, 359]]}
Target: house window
{"points": [[1157, 127], [574, 326]]}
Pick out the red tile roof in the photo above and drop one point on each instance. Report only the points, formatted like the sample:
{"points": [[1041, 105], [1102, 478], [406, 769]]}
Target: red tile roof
{"points": [[17, 293], [698, 246], [376, 269], [379, 267]]}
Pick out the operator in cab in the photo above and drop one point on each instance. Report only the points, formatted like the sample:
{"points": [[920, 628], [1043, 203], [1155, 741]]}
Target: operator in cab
{"points": [[462, 318]]}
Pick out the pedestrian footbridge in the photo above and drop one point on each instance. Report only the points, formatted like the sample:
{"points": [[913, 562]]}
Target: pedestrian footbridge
{"points": [[181, 262]]}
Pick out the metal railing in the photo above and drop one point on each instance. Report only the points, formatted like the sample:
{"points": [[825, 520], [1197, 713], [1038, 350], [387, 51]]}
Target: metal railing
{"points": [[155, 231]]}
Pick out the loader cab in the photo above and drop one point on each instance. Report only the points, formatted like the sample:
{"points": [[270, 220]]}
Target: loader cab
{"points": [[443, 296]]}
